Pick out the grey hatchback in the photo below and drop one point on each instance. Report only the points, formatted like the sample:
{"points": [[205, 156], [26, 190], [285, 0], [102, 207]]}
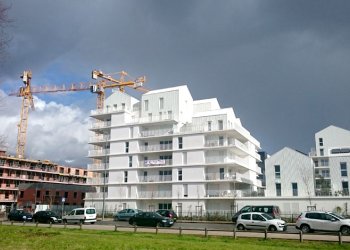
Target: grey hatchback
{"points": [[126, 214]]}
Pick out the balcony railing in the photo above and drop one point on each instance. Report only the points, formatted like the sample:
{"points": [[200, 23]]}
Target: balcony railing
{"points": [[155, 194], [218, 176], [233, 193], [154, 118], [225, 159], [226, 143], [99, 152], [156, 162], [156, 147], [160, 132], [98, 166], [155, 178], [96, 125], [103, 138], [97, 181]]}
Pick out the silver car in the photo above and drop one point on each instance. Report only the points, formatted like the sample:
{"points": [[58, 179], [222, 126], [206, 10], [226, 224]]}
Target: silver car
{"points": [[126, 214], [322, 221], [260, 221]]}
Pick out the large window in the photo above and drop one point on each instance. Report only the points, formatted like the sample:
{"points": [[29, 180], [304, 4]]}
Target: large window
{"points": [[277, 171], [295, 188], [125, 176], [161, 103], [222, 173], [179, 174], [278, 189], [345, 186], [220, 125], [146, 105], [127, 147], [343, 169], [209, 125], [180, 142], [320, 142], [130, 161]]}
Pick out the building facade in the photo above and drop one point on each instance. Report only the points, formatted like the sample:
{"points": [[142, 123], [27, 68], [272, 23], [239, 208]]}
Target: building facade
{"points": [[167, 150], [18, 171]]}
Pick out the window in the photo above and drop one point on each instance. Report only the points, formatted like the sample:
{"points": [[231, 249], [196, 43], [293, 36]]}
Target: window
{"points": [[295, 188], [220, 125], [170, 114], [166, 145], [180, 142], [320, 142], [209, 125], [343, 169], [38, 194], [245, 216], [277, 171], [145, 175], [179, 174], [161, 103], [324, 162], [278, 189], [345, 186], [65, 194], [221, 141], [47, 193], [123, 106], [222, 173], [146, 105], [125, 176], [165, 175], [321, 152], [127, 147], [130, 161], [75, 195], [316, 163], [164, 206]]}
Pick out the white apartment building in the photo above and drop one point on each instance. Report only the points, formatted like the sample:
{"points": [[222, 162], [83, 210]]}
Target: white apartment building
{"points": [[289, 173], [295, 181], [331, 160], [170, 151]]}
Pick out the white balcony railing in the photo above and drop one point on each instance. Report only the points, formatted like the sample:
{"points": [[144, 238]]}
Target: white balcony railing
{"points": [[225, 159], [100, 124], [99, 152], [156, 162], [100, 138], [157, 147], [226, 143], [218, 176], [98, 166], [160, 132], [155, 178], [97, 181], [155, 194]]}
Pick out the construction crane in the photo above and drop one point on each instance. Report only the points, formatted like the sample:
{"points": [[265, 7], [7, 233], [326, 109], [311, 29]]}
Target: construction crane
{"points": [[98, 87], [116, 83]]}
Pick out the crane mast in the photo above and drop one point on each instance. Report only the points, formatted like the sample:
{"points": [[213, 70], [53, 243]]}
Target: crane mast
{"points": [[27, 102]]}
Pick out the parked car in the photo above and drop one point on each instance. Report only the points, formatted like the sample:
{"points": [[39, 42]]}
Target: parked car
{"points": [[322, 221], [150, 219], [46, 217], [273, 211], [260, 221], [168, 213], [81, 215], [19, 215], [125, 214]]}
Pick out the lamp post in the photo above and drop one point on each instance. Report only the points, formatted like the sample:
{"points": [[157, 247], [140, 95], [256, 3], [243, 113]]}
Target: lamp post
{"points": [[104, 176]]}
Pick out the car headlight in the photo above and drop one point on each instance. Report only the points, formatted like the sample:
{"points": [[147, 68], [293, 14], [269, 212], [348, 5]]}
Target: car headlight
{"points": [[164, 220]]}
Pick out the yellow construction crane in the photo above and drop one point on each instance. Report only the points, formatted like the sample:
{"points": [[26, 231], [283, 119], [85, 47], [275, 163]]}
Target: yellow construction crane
{"points": [[98, 87]]}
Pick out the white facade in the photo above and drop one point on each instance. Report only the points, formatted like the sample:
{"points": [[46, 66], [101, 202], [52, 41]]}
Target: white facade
{"points": [[169, 151], [332, 160], [289, 173]]}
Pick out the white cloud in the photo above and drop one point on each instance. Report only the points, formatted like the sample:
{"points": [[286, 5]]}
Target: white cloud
{"points": [[55, 131]]}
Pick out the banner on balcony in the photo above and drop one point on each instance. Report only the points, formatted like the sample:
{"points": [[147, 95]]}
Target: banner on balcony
{"points": [[154, 162]]}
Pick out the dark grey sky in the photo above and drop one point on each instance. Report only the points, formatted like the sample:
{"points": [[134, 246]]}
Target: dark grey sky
{"points": [[284, 66]]}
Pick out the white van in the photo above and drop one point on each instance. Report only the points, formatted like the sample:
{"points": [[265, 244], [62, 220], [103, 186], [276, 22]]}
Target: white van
{"points": [[81, 215]]}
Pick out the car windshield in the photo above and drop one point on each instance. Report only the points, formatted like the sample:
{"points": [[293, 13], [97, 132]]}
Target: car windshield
{"points": [[337, 216], [266, 216]]}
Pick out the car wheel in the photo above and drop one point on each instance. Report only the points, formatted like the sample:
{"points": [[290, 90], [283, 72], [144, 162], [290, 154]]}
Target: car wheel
{"points": [[240, 227], [134, 223], [272, 228], [345, 230], [305, 228]]}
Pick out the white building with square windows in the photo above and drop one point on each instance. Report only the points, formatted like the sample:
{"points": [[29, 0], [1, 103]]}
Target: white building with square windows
{"points": [[170, 151]]}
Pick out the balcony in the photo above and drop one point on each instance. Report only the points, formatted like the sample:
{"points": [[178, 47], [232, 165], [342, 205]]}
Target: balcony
{"points": [[227, 177], [97, 166], [154, 118], [155, 178], [155, 194], [161, 132], [225, 159], [97, 181], [99, 124], [101, 138], [233, 193], [151, 148], [99, 152], [156, 162]]}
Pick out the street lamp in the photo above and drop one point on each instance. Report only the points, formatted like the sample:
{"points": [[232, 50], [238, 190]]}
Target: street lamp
{"points": [[104, 176]]}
